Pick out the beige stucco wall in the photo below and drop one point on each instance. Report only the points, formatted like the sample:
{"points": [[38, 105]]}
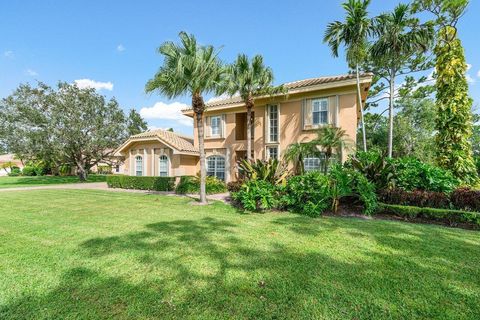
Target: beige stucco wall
{"points": [[179, 164], [291, 128]]}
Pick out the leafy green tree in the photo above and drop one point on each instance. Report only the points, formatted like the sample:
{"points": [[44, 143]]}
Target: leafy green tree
{"points": [[68, 125], [189, 68], [454, 123], [135, 123], [332, 141], [249, 79], [353, 34], [399, 38]]}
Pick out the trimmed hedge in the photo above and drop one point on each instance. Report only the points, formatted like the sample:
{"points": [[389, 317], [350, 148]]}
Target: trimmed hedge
{"points": [[191, 184], [451, 217], [141, 183]]}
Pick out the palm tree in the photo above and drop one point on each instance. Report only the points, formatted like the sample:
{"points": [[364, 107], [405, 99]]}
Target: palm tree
{"points": [[400, 36], [189, 68], [353, 34], [332, 141], [249, 78], [297, 152]]}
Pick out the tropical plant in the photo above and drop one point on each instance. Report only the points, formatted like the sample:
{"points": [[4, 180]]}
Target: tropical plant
{"points": [[257, 195], [297, 152], [399, 37], [374, 166], [8, 165], [249, 79], [272, 171], [189, 68], [353, 34], [332, 140]]}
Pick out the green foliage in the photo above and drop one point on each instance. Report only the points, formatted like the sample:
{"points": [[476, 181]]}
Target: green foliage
{"points": [[141, 183], [307, 194], [454, 115], [452, 217], [257, 195], [332, 140], [374, 166], [135, 123], [191, 184], [14, 172], [104, 169], [297, 152], [272, 171], [28, 171]]}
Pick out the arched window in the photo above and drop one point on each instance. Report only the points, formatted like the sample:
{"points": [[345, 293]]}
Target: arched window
{"points": [[163, 166], [138, 166], [216, 167]]}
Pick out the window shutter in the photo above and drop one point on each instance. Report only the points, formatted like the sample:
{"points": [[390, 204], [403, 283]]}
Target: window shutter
{"points": [[208, 129], [222, 127], [332, 110], [307, 114]]}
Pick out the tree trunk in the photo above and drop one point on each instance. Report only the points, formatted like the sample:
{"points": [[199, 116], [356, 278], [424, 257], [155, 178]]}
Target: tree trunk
{"points": [[390, 115], [81, 172], [359, 96], [198, 107], [249, 105]]}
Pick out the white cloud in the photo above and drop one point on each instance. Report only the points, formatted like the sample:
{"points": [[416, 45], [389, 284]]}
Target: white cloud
{"points": [[221, 97], [478, 73], [120, 48], [167, 111], [97, 85], [470, 79], [469, 66], [31, 72], [9, 54]]}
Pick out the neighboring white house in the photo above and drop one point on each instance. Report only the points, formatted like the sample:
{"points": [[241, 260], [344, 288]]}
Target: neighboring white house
{"points": [[4, 158]]}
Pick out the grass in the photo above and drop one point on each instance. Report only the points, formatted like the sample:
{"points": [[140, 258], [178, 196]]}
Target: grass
{"points": [[16, 182], [84, 254]]}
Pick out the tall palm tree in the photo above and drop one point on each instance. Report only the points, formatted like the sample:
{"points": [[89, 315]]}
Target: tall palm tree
{"points": [[332, 141], [297, 152], [249, 78], [400, 36], [353, 34], [192, 69]]}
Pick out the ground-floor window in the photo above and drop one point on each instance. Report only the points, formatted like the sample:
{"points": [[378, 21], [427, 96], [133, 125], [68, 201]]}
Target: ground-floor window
{"points": [[163, 166], [272, 152], [138, 166], [117, 168], [216, 167], [314, 163]]}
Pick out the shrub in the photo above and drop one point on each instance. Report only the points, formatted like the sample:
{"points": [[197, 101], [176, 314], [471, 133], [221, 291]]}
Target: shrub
{"points": [[273, 171], [28, 171], [234, 186], [466, 199], [141, 183], [307, 194], [452, 217], [14, 172], [104, 169], [257, 195], [411, 174], [419, 198], [191, 184], [374, 166]]}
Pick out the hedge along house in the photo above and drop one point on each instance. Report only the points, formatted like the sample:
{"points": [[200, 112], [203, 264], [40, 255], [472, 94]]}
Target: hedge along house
{"points": [[279, 121], [159, 153]]}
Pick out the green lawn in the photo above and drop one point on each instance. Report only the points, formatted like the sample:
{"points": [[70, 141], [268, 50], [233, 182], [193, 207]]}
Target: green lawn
{"points": [[84, 254], [16, 182]]}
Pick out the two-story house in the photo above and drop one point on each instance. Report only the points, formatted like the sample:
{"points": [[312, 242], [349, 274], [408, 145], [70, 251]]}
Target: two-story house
{"points": [[278, 121]]}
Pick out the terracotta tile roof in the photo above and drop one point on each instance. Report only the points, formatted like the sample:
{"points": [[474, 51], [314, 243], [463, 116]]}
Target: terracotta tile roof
{"points": [[291, 86], [180, 142]]}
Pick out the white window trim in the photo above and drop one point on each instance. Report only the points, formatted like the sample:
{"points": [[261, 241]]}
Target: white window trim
{"points": [[219, 134], [143, 165], [328, 111], [267, 153], [168, 165], [267, 133]]}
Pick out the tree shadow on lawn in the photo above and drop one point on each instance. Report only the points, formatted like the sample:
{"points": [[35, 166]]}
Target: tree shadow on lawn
{"points": [[203, 269]]}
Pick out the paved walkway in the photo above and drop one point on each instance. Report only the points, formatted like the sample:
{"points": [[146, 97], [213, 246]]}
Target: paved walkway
{"points": [[224, 197]]}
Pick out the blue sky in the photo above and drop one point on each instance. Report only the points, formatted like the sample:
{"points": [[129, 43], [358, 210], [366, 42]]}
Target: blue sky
{"points": [[112, 44]]}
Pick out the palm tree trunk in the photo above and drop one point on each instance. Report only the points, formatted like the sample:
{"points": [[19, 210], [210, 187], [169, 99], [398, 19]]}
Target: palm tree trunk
{"points": [[198, 107], [390, 115], [249, 106], [364, 134]]}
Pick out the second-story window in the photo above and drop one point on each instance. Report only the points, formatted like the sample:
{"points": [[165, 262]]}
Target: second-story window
{"points": [[320, 111], [273, 123], [215, 123]]}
